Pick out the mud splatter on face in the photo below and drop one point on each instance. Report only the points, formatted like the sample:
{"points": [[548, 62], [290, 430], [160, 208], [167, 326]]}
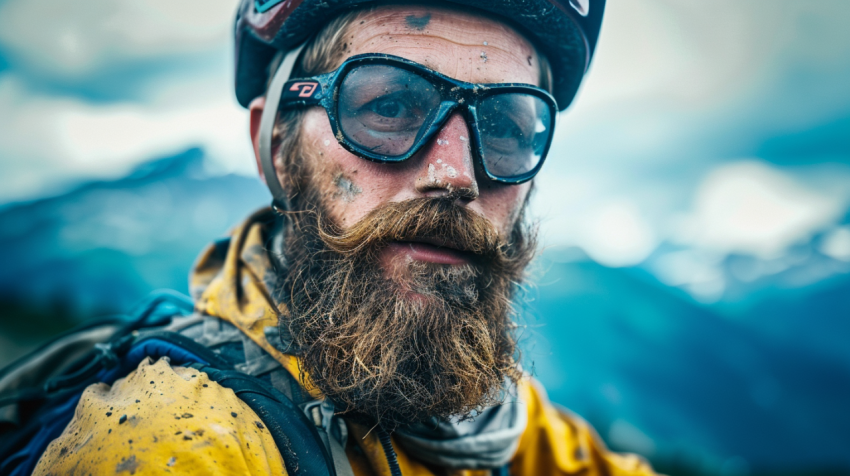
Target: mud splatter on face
{"points": [[345, 188], [418, 23], [432, 176], [484, 57]]}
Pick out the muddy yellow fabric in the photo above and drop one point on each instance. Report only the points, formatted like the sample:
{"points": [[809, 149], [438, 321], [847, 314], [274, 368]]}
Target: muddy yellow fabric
{"points": [[162, 420], [558, 443]]}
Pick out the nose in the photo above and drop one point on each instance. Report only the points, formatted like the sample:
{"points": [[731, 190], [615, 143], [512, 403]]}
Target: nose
{"points": [[445, 164]]}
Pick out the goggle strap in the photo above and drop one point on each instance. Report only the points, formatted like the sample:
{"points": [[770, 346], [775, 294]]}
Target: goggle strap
{"points": [[301, 92], [267, 122]]}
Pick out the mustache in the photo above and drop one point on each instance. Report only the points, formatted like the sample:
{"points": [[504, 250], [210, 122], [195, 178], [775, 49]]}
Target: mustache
{"points": [[436, 220]]}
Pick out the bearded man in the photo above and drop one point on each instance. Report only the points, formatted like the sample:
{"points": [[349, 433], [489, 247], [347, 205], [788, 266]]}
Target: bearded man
{"points": [[399, 142]]}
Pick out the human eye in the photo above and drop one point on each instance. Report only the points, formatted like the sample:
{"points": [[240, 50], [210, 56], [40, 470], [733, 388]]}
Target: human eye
{"points": [[390, 112], [390, 107], [505, 127], [502, 133], [507, 122], [383, 108]]}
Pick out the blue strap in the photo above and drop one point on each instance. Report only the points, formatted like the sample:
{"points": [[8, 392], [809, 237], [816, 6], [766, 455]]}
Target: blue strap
{"points": [[501, 470], [155, 349], [53, 422]]}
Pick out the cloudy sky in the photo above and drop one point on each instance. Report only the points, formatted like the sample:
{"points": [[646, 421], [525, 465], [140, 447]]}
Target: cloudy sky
{"points": [[667, 140], [701, 131]]}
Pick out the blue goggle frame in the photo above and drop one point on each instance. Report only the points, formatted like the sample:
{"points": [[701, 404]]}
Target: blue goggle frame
{"points": [[323, 90]]}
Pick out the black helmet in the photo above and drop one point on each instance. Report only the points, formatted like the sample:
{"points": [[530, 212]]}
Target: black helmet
{"points": [[564, 30]]}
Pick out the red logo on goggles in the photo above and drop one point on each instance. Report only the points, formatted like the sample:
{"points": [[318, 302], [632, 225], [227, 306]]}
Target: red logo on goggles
{"points": [[306, 89]]}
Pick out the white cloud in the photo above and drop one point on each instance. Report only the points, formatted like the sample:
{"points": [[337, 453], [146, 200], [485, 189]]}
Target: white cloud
{"points": [[837, 244], [73, 38], [697, 272], [579, 211], [47, 140], [752, 208], [615, 234], [127, 133]]}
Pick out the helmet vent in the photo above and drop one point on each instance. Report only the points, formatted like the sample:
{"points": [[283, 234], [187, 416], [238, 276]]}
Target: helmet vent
{"points": [[265, 5]]}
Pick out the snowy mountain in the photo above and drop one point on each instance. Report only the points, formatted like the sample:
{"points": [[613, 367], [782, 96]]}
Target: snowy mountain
{"points": [[104, 245], [690, 384]]}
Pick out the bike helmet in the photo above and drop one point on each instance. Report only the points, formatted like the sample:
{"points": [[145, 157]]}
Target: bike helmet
{"points": [[564, 30]]}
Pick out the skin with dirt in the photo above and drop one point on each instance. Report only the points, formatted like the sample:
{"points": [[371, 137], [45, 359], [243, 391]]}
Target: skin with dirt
{"points": [[418, 23], [345, 188]]}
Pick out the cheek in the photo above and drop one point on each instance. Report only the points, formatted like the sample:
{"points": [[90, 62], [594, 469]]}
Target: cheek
{"points": [[349, 186], [502, 204]]}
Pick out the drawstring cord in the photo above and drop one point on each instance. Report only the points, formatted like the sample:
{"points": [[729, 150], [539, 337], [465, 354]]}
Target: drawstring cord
{"points": [[392, 460]]}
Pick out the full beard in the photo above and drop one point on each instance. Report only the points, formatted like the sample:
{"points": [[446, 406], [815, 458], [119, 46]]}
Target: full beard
{"points": [[406, 342]]}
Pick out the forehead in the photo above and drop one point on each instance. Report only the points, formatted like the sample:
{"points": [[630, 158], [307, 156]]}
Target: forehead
{"points": [[461, 44]]}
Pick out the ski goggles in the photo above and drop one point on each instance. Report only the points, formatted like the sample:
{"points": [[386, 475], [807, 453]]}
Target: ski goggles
{"points": [[384, 108]]}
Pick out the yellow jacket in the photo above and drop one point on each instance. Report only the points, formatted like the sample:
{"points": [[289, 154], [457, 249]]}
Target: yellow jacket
{"points": [[162, 419]]}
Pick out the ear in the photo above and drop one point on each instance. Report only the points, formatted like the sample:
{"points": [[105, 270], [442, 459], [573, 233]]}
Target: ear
{"points": [[256, 110]]}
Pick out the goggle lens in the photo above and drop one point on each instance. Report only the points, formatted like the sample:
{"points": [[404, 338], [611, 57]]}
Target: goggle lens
{"points": [[385, 109], [514, 131], [385, 112]]}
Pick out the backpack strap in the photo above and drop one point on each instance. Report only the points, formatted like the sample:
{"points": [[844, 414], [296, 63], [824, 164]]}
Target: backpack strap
{"points": [[296, 437], [24, 379]]}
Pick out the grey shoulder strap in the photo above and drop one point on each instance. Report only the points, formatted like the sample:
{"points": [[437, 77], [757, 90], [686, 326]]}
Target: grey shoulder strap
{"points": [[267, 123]]}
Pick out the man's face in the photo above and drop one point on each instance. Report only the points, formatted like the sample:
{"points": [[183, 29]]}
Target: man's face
{"points": [[400, 276], [460, 45]]}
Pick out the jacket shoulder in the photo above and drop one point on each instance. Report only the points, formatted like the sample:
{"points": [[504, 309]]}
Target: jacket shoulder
{"points": [[162, 419], [559, 442]]}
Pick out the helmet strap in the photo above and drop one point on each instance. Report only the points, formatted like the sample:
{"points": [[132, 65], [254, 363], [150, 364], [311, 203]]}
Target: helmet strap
{"points": [[280, 201]]}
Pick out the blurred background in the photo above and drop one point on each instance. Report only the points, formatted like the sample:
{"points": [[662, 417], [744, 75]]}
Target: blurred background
{"points": [[692, 299]]}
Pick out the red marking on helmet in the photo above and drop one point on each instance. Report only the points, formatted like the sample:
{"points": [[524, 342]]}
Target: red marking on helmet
{"points": [[267, 24], [307, 89]]}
